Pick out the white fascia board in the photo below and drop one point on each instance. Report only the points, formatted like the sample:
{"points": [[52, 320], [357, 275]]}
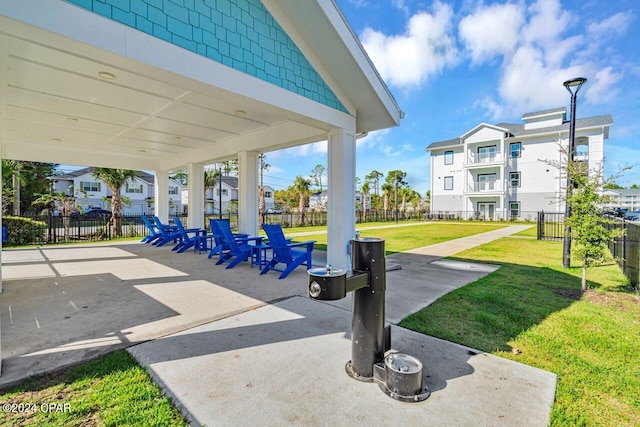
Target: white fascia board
{"points": [[358, 52], [156, 58], [480, 126], [283, 135], [34, 153], [604, 129]]}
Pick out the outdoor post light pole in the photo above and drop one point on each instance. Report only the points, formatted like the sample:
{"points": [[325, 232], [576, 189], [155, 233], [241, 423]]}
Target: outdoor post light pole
{"points": [[220, 193], [566, 247]]}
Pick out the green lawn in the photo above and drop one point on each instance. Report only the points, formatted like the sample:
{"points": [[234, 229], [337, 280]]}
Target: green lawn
{"points": [[401, 239], [113, 390], [531, 311]]}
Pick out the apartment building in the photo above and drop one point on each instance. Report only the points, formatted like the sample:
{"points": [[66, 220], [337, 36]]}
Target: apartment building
{"points": [[623, 198], [91, 192], [503, 171]]}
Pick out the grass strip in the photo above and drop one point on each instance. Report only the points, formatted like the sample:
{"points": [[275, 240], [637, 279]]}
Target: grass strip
{"points": [[531, 310], [112, 390]]}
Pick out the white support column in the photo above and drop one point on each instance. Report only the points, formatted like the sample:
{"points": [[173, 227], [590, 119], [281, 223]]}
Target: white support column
{"points": [[248, 192], [195, 186], [342, 196], [161, 195]]}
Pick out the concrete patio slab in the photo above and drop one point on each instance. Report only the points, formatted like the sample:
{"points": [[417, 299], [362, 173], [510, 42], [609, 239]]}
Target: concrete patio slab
{"points": [[283, 364]]}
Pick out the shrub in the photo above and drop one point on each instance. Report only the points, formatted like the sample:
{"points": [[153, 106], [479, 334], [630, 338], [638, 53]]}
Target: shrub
{"points": [[23, 231]]}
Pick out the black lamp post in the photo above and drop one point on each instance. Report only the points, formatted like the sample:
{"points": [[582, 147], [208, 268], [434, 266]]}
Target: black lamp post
{"points": [[566, 247]]}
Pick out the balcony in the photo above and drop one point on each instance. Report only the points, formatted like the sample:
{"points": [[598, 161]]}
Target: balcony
{"points": [[484, 159], [485, 187]]}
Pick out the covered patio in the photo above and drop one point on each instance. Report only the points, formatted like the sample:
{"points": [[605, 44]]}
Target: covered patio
{"points": [[89, 85], [62, 305]]}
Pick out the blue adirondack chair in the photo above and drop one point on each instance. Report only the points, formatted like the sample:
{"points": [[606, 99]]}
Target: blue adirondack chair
{"points": [[188, 237], [239, 248], [219, 245], [154, 235], [283, 252], [167, 232]]}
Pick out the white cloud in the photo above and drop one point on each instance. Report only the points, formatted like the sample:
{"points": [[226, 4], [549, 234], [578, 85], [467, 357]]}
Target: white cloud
{"points": [[614, 25], [424, 50], [603, 87], [541, 46], [491, 30], [306, 150]]}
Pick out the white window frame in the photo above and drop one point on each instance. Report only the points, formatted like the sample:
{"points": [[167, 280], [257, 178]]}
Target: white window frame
{"points": [[517, 203], [173, 190], [511, 145], [450, 179], [88, 186], [446, 156], [518, 179], [130, 189]]}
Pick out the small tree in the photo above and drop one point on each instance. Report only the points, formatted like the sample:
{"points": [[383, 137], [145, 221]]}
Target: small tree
{"points": [[64, 203], [589, 229], [316, 174]]}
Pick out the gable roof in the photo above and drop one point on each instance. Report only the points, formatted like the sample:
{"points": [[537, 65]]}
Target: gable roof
{"points": [[517, 130], [164, 106]]}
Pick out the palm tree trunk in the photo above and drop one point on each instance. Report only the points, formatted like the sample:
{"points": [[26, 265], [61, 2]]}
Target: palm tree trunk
{"points": [[116, 219], [301, 209]]}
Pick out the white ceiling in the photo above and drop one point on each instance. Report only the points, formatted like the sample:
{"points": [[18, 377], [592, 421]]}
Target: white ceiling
{"points": [[167, 107], [59, 109]]}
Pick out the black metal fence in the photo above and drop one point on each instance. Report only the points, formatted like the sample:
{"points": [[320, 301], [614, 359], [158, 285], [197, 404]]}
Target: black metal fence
{"points": [[550, 225], [626, 249], [47, 229], [489, 215]]}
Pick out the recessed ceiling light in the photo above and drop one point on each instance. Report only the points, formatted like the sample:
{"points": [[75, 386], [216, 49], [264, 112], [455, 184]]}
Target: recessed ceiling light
{"points": [[72, 119], [240, 113], [56, 140], [106, 75]]}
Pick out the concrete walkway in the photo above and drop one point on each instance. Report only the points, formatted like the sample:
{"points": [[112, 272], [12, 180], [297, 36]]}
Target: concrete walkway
{"points": [[232, 347], [283, 364]]}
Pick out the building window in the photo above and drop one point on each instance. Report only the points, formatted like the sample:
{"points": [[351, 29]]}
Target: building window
{"points": [[514, 149], [225, 192], [448, 183], [173, 190], [487, 154], [514, 209], [448, 157], [133, 189], [514, 179], [89, 186], [268, 195]]}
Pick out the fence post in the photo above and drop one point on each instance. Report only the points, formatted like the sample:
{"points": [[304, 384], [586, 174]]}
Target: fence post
{"points": [[624, 247]]}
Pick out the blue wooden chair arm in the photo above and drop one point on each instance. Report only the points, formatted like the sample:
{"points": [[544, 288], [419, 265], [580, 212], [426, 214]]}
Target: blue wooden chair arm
{"points": [[258, 240], [295, 245]]}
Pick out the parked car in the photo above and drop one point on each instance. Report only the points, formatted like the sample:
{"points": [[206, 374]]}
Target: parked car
{"points": [[621, 212], [632, 216], [93, 213]]}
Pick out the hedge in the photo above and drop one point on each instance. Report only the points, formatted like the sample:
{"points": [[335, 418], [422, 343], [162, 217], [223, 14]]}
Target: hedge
{"points": [[23, 231]]}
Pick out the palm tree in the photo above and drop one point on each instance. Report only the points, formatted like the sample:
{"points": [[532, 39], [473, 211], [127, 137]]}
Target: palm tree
{"points": [[261, 203], [115, 179], [365, 193], [12, 179], [386, 190], [301, 187], [210, 179]]}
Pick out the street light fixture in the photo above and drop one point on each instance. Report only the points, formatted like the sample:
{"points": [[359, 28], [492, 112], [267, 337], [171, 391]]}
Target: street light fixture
{"points": [[566, 246]]}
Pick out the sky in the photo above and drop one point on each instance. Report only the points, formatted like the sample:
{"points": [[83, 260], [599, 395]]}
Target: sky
{"points": [[452, 65]]}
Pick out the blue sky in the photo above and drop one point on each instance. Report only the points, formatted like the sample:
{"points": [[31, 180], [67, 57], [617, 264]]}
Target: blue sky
{"points": [[454, 64]]}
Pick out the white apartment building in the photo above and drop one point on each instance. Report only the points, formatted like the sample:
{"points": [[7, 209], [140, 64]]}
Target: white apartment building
{"points": [[500, 171], [93, 193], [229, 190], [623, 198]]}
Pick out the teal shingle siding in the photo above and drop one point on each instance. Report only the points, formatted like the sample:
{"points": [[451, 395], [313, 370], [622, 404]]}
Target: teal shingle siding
{"points": [[239, 33]]}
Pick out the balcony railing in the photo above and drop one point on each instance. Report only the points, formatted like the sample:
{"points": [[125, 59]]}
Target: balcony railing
{"points": [[481, 159], [485, 186]]}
